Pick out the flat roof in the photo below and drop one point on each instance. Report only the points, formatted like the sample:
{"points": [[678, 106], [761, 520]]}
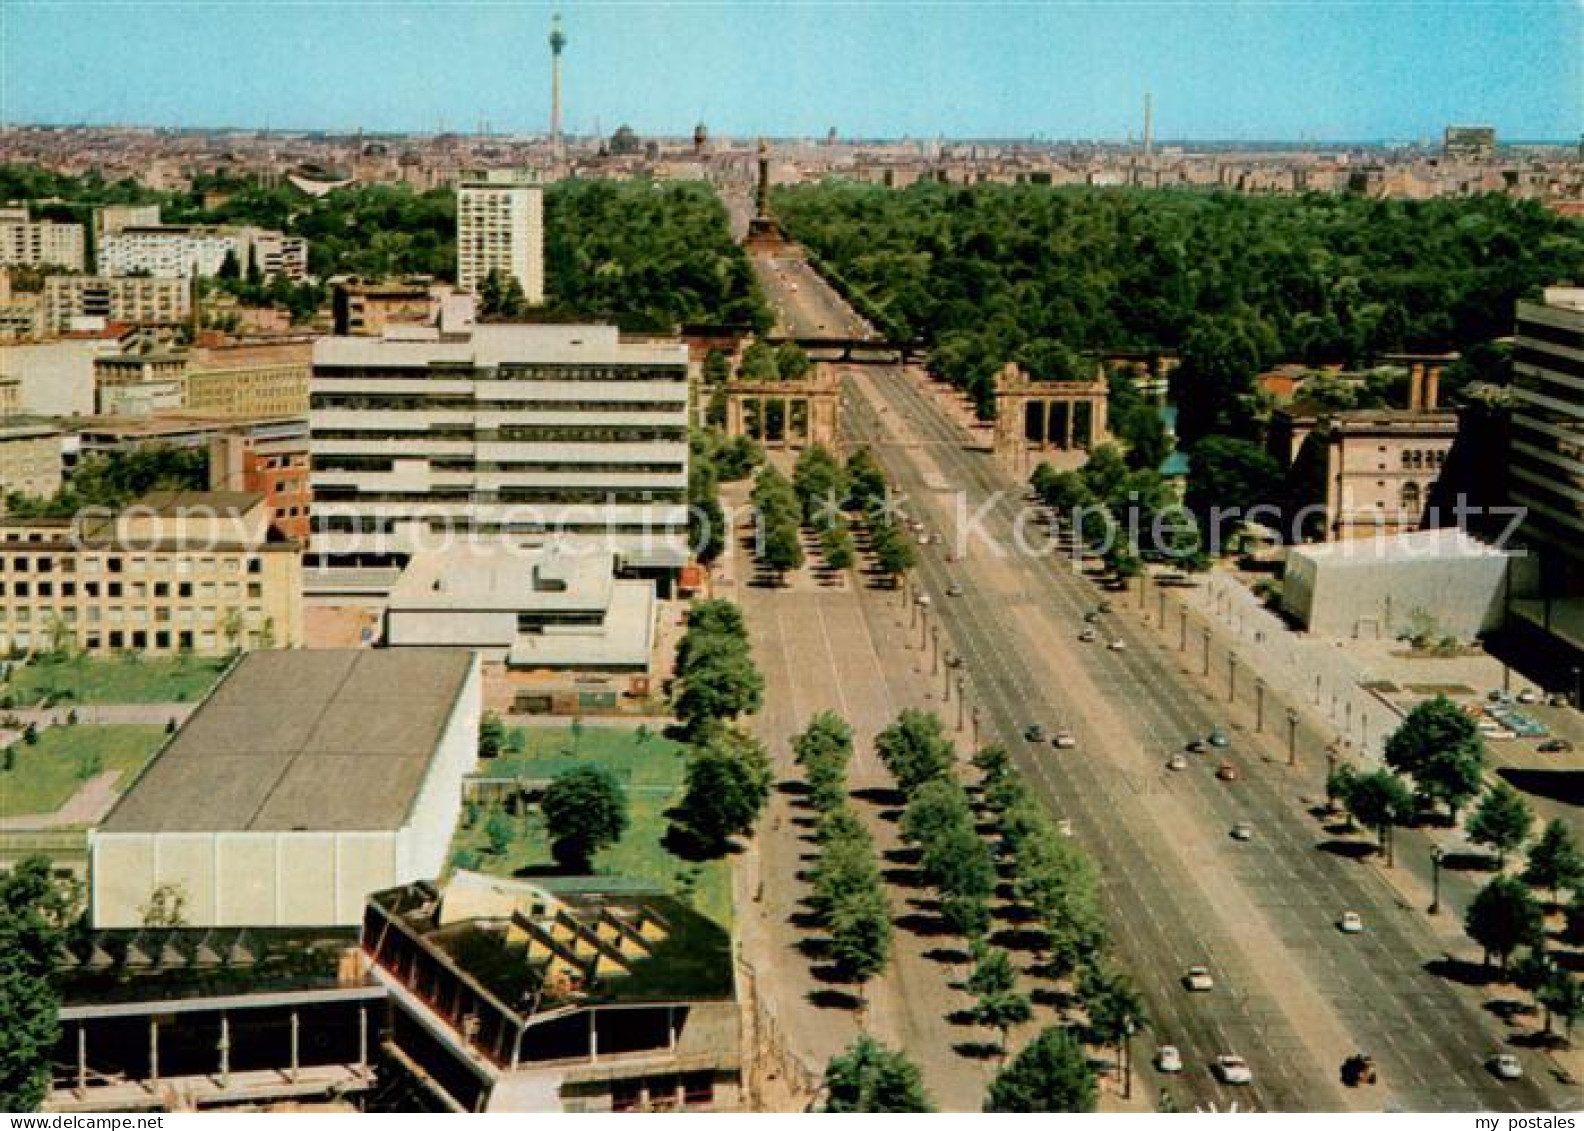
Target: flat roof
{"points": [[494, 344], [332, 741], [1427, 545], [501, 576]]}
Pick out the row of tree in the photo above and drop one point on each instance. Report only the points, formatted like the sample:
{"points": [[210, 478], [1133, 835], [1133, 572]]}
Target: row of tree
{"points": [[1228, 282]]}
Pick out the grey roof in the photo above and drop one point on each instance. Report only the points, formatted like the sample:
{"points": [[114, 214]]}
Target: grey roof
{"points": [[302, 740]]}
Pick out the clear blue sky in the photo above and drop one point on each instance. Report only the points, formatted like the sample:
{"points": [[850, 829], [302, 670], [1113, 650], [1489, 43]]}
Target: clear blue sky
{"points": [[1384, 69]]}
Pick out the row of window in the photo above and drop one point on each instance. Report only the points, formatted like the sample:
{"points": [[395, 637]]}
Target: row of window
{"points": [[596, 496], [1418, 459], [95, 615], [508, 371], [387, 524], [388, 463], [137, 640], [69, 564], [134, 590], [453, 402]]}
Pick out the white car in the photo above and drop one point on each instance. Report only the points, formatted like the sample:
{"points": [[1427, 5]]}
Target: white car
{"points": [[1064, 740], [1230, 1069], [1528, 695], [1117, 645], [1177, 762], [1506, 1067], [1351, 923], [1168, 1059], [1242, 831], [1088, 636], [1198, 979]]}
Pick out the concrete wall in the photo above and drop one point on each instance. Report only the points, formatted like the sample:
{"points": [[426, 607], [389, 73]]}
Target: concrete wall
{"points": [[1367, 596], [424, 839]]}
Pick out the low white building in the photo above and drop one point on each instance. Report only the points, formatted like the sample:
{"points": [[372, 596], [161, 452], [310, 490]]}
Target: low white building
{"points": [[305, 782], [550, 608], [1443, 581]]}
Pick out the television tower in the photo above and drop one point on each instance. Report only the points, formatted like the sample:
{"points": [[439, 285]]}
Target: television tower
{"points": [[557, 42]]}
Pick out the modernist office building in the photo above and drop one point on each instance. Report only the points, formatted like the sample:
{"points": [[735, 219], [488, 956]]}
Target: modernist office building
{"points": [[500, 227], [540, 434], [1546, 468]]}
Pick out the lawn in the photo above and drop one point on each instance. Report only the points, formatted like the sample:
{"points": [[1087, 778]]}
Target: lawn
{"points": [[45, 775], [650, 768], [113, 679]]}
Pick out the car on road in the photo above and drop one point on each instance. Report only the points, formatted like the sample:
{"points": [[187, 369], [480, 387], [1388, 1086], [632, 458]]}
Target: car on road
{"points": [[923, 539], [1034, 733], [1505, 1066], [1555, 746], [1199, 979], [954, 590], [1197, 746], [1168, 1059], [1064, 740], [1528, 695], [1088, 636], [1091, 616], [1242, 831], [1117, 644], [1351, 923], [1177, 762], [1230, 1069], [1557, 699], [1218, 737], [1226, 771]]}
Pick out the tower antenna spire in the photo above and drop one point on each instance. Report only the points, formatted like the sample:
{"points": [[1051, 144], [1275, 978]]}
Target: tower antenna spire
{"points": [[558, 42]]}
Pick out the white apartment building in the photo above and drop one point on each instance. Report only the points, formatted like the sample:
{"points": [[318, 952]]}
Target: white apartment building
{"points": [[168, 251], [500, 227], [31, 243], [541, 434], [182, 250], [139, 299]]}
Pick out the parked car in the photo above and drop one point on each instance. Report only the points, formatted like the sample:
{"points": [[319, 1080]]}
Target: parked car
{"points": [[1168, 1059], [1359, 1069], [1226, 771], [954, 590], [1198, 746], [1064, 740], [1117, 644], [1088, 636], [1528, 695], [1034, 733], [1242, 831], [1199, 979], [1230, 1069], [1177, 762], [1505, 1066], [1218, 737], [1351, 923], [1555, 746]]}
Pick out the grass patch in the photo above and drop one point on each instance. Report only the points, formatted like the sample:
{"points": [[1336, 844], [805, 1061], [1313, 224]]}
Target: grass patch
{"points": [[113, 679], [44, 776], [651, 769]]}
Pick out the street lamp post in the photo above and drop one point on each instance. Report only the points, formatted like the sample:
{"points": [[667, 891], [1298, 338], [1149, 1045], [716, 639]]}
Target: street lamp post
{"points": [[1160, 614], [934, 648], [1292, 737], [1182, 629], [1436, 856], [1259, 706], [1231, 678], [962, 694], [1206, 672], [974, 715]]}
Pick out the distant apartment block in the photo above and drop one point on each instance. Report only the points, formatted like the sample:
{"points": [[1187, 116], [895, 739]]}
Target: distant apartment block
{"points": [[181, 251], [536, 433], [274, 465], [25, 242], [250, 380], [139, 381], [177, 572], [500, 227], [366, 309], [113, 218], [30, 455], [139, 300]]}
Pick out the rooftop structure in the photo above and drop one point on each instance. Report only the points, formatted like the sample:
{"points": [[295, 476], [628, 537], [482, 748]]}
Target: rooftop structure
{"points": [[305, 781]]}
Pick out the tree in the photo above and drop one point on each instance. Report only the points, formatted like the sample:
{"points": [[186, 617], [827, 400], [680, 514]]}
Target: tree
{"points": [[717, 370], [498, 831], [1501, 821], [998, 1005], [1439, 746], [1380, 801], [783, 548], [501, 297], [36, 912], [1555, 860], [492, 735], [758, 363], [1231, 475], [1051, 1074], [860, 927], [936, 808], [728, 784], [1561, 995], [1116, 1011], [868, 1077], [1502, 917], [585, 811], [792, 364], [914, 749], [719, 681]]}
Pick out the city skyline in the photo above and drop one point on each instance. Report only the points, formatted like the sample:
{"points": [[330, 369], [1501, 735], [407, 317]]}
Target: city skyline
{"points": [[1328, 71]]}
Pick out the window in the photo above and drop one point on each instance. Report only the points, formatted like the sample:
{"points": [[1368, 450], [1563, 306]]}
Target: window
{"points": [[1410, 497]]}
